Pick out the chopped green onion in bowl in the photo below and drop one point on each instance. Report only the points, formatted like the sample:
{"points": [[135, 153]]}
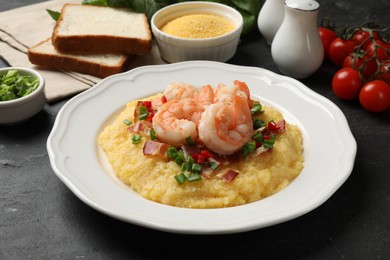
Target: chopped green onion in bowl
{"points": [[13, 85], [21, 94]]}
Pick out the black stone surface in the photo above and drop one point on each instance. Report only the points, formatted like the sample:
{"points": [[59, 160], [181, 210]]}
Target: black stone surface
{"points": [[40, 218]]}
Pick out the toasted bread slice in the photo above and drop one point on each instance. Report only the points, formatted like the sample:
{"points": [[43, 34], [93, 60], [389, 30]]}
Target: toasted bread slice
{"points": [[99, 65], [101, 29]]}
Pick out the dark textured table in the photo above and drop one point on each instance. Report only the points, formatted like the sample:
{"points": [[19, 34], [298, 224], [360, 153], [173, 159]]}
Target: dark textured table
{"points": [[40, 218]]}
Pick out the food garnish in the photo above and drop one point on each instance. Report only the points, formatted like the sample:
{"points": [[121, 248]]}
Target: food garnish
{"points": [[13, 85], [195, 159]]}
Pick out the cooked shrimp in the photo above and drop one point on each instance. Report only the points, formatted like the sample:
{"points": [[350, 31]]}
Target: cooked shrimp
{"points": [[206, 95], [239, 88], [226, 126], [177, 120], [180, 90]]}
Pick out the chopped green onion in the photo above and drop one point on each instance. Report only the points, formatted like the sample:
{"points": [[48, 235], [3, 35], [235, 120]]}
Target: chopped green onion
{"points": [[257, 109], [269, 143], [194, 177], [179, 159], [14, 85], [171, 152], [213, 165], [248, 148], [143, 111], [176, 155], [190, 160], [258, 123], [127, 122], [180, 178], [136, 139], [186, 167], [152, 134], [196, 168], [143, 116], [190, 141], [258, 137]]}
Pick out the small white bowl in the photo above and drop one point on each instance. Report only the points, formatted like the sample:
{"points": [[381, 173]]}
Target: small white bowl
{"points": [[175, 49], [20, 109]]}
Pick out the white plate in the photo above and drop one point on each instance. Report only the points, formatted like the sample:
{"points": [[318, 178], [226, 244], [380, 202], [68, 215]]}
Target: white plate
{"points": [[329, 148]]}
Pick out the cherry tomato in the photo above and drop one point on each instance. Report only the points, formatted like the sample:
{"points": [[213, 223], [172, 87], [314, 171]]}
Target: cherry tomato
{"points": [[384, 72], [339, 50], [375, 96], [361, 62], [362, 36], [378, 48], [346, 83], [327, 36]]}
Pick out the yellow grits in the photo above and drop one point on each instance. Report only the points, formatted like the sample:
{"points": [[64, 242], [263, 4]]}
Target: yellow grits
{"points": [[198, 26], [153, 178]]}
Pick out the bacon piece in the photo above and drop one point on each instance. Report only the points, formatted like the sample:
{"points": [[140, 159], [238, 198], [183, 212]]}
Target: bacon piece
{"points": [[190, 149], [140, 127], [281, 126], [207, 171], [229, 175], [156, 149]]}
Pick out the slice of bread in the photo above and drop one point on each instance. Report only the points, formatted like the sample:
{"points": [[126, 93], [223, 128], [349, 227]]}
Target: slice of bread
{"points": [[100, 65], [101, 29]]}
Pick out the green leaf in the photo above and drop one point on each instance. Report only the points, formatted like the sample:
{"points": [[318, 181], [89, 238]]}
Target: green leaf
{"points": [[96, 2], [54, 14]]}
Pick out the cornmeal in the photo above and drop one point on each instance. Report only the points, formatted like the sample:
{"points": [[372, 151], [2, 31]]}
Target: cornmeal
{"points": [[153, 177], [198, 26]]}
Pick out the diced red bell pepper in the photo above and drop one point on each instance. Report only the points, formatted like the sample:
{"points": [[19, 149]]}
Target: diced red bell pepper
{"points": [[272, 126], [150, 117], [267, 137], [206, 154]]}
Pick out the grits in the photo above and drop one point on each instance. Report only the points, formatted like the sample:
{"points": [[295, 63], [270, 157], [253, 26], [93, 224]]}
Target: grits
{"points": [[152, 177]]}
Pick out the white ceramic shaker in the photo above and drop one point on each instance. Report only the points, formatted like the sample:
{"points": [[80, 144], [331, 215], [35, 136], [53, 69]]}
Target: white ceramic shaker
{"points": [[297, 47], [270, 18]]}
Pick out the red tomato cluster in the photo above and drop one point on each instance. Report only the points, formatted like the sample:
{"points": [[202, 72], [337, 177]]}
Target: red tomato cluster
{"points": [[364, 61]]}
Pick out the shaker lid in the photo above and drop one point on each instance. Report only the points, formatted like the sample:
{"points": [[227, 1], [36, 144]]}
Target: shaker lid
{"points": [[303, 5]]}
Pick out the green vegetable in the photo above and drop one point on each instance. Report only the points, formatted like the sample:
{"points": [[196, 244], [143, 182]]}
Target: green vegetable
{"points": [[257, 109], [54, 14], [136, 139], [258, 123], [180, 178], [13, 85], [248, 148], [249, 9], [152, 134], [176, 155], [96, 2], [196, 168], [213, 165], [194, 177], [189, 141], [143, 113], [258, 137], [127, 122], [269, 143]]}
